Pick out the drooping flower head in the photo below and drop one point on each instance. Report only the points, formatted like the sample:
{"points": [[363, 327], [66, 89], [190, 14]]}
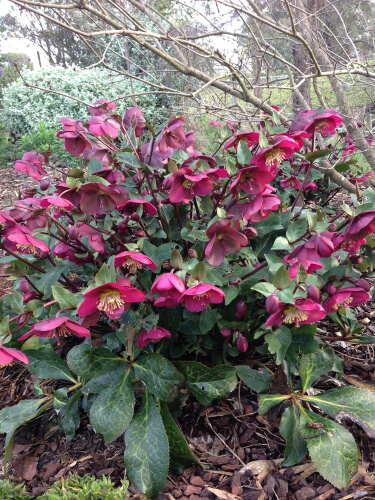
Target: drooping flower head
{"points": [[303, 311], [187, 184], [156, 334], [224, 240], [134, 118], [98, 198], [248, 136], [95, 238], [6, 220], [345, 297], [19, 238], [56, 328], [58, 204], [104, 125], [74, 135], [197, 297], [9, 356], [101, 107], [310, 121], [112, 299], [170, 288], [133, 205], [134, 261], [31, 164], [251, 180], [151, 155], [291, 182], [173, 135], [280, 149], [256, 209], [361, 226], [100, 153]]}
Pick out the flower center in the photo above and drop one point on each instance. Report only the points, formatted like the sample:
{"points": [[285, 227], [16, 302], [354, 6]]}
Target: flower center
{"points": [[110, 301], [187, 184], [57, 207], [275, 156], [294, 315], [27, 248], [130, 262], [321, 125], [343, 304], [202, 296]]}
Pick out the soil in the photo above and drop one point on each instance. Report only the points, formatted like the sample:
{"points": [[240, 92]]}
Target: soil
{"points": [[241, 451]]}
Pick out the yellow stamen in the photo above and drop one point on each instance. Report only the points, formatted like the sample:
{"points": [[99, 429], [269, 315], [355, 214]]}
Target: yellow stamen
{"points": [[274, 157], [294, 315], [187, 184], [321, 125], [343, 304], [201, 296], [129, 262], [110, 301], [27, 247]]}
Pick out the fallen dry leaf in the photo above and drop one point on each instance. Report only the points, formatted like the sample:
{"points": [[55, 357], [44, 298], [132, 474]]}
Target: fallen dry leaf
{"points": [[29, 468], [261, 466], [223, 495]]}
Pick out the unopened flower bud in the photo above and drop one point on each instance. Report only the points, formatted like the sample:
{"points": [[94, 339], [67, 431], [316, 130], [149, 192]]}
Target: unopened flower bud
{"points": [[140, 233], [119, 248], [28, 296], [137, 178], [332, 227], [226, 332], [144, 192], [124, 282], [313, 293], [44, 184], [122, 227], [359, 125], [21, 319], [240, 309], [250, 232], [242, 343], [192, 253], [363, 284], [236, 281], [355, 259], [272, 303], [24, 286], [73, 232], [331, 289], [167, 183], [117, 176], [42, 255], [135, 217]]}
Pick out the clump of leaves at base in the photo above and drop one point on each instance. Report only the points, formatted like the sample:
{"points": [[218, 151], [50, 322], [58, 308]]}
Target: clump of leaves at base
{"points": [[160, 270], [86, 488], [12, 491]]}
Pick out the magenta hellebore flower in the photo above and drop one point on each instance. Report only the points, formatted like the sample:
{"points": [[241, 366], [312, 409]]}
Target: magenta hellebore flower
{"points": [[134, 261], [156, 159], [281, 148], [98, 198], [132, 206], [31, 164], [215, 123], [361, 226], [74, 135], [187, 184], [100, 153], [57, 203], [303, 311], [65, 252], [290, 182], [56, 327], [113, 299], [173, 135], [225, 240], [345, 297], [258, 208], [248, 136], [6, 220], [95, 238], [134, 118], [112, 175], [251, 180], [170, 288], [101, 107], [156, 334], [21, 239], [309, 121], [197, 297], [103, 125], [9, 356]]}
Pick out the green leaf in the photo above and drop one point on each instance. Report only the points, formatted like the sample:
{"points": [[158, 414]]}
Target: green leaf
{"points": [[313, 366], [314, 155], [243, 153], [281, 279], [158, 254], [349, 403], [159, 376], [16, 302], [68, 417], [256, 380], [47, 280], [296, 230], [296, 448], [208, 319], [129, 159], [265, 289], [278, 342], [176, 259], [231, 293], [112, 411], [281, 243], [268, 401], [45, 363], [207, 384], [64, 297], [263, 142], [94, 166], [180, 455], [103, 276], [332, 449], [89, 362], [146, 449]]}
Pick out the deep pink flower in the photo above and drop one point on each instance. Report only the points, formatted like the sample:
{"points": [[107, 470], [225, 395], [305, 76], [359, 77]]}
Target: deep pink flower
{"points": [[156, 334], [9, 356], [101, 107], [197, 297], [210, 160], [74, 135], [95, 238], [31, 164], [345, 297], [257, 209], [134, 118], [309, 265], [215, 174], [157, 159], [248, 136], [309, 186], [56, 327], [98, 198], [251, 180], [364, 178], [348, 245], [20, 238], [100, 153], [303, 311], [57, 203], [65, 252], [134, 261], [112, 175], [170, 288], [74, 195], [132, 206], [189, 146], [281, 148], [6, 220], [225, 240], [215, 123], [187, 184], [113, 299], [361, 226], [104, 125], [290, 182], [310, 121], [173, 135]]}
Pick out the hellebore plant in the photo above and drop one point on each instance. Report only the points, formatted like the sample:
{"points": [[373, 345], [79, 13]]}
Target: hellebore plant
{"points": [[163, 267]]}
